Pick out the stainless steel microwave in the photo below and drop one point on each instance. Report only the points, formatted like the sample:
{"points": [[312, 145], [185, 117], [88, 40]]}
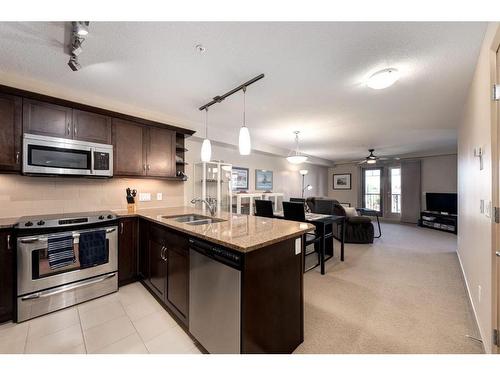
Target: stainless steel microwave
{"points": [[60, 156]]}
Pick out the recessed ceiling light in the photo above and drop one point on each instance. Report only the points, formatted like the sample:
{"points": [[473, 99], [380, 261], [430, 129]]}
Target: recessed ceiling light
{"points": [[383, 79]]}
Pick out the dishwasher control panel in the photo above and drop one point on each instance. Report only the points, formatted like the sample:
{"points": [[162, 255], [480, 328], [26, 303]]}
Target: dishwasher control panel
{"points": [[225, 256]]}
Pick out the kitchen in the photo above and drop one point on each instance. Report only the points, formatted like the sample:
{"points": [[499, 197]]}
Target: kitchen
{"points": [[233, 282]]}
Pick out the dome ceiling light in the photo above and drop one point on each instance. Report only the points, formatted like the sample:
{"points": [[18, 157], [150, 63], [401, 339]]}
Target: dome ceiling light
{"points": [[295, 157], [383, 79]]}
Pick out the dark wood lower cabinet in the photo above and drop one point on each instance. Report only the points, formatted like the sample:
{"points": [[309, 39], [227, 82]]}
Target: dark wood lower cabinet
{"points": [[127, 250], [7, 259], [272, 300], [178, 273]]}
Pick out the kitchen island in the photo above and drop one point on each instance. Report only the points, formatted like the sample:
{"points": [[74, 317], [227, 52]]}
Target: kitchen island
{"points": [[235, 284]]}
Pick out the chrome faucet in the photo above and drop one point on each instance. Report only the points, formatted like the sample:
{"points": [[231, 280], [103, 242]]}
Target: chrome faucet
{"points": [[211, 203]]}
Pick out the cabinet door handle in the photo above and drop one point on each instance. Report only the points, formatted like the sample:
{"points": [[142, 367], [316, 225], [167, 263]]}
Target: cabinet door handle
{"points": [[498, 253], [17, 157], [9, 247], [74, 130], [69, 129], [121, 228]]}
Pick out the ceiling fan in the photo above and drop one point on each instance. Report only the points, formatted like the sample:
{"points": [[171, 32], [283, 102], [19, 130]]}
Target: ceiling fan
{"points": [[372, 159]]}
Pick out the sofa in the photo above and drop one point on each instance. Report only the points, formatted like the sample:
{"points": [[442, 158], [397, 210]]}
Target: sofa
{"points": [[359, 229]]}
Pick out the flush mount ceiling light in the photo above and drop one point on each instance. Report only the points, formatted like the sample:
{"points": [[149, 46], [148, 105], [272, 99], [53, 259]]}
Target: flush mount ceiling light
{"points": [[295, 157], [244, 142], [383, 79], [206, 146]]}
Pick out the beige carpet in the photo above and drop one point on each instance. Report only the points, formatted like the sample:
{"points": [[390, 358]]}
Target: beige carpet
{"points": [[403, 294]]}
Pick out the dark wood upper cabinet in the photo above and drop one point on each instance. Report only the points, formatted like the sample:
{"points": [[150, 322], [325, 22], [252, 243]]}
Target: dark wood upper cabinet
{"points": [[127, 250], [178, 272], [129, 150], [6, 276], [91, 127], [47, 119], [10, 132], [160, 152]]}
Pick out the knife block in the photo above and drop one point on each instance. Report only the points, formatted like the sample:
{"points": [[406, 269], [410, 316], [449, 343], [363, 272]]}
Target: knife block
{"points": [[131, 208]]}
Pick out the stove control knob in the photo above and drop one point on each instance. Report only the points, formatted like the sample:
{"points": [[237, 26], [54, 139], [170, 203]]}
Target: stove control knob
{"points": [[101, 217], [110, 217], [41, 222], [28, 224]]}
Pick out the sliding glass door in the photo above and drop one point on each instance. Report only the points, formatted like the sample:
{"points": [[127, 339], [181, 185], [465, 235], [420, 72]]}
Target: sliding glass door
{"points": [[393, 192]]}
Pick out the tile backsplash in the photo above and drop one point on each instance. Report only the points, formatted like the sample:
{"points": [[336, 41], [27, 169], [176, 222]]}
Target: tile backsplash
{"points": [[23, 195]]}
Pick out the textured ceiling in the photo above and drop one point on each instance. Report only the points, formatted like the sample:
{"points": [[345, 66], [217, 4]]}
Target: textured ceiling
{"points": [[314, 78]]}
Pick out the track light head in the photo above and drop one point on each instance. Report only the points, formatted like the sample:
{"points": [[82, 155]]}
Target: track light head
{"points": [[81, 28], [74, 64], [76, 47]]}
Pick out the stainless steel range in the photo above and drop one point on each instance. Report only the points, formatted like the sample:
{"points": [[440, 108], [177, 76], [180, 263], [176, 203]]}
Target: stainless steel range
{"points": [[63, 260]]}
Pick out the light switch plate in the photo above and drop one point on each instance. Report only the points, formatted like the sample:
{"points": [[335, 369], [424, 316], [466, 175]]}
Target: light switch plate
{"points": [[144, 197], [481, 206], [159, 196], [298, 246]]}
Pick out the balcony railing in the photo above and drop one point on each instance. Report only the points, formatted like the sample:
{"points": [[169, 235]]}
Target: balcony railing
{"points": [[396, 203], [372, 201]]}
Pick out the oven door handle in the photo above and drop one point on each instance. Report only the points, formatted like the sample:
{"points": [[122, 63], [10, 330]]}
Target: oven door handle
{"points": [[66, 288], [33, 239]]}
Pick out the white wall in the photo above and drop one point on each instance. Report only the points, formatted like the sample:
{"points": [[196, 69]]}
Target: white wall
{"points": [[438, 175], [475, 229], [346, 196], [286, 178]]}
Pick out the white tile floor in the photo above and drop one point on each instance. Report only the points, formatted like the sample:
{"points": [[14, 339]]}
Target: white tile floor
{"points": [[130, 321]]}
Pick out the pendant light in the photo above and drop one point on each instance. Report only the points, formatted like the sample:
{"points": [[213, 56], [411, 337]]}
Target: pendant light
{"points": [[206, 147], [244, 138], [295, 157]]}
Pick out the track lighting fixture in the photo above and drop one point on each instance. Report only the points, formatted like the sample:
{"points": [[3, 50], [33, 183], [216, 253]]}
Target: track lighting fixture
{"points": [[206, 146], [244, 142], [74, 64], [80, 29]]}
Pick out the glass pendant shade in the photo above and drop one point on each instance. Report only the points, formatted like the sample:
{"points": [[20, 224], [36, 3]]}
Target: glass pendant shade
{"points": [[244, 141], [206, 150], [295, 157]]}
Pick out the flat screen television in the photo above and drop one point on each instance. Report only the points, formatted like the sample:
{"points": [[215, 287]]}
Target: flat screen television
{"points": [[441, 202]]}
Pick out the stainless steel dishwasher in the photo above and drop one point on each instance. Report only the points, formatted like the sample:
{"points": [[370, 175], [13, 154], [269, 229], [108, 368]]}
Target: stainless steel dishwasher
{"points": [[215, 297]]}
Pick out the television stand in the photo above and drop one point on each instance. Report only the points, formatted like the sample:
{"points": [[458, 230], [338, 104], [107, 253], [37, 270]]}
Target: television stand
{"points": [[439, 221]]}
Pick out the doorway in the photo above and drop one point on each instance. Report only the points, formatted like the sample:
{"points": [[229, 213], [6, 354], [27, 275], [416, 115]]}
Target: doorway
{"points": [[381, 189]]}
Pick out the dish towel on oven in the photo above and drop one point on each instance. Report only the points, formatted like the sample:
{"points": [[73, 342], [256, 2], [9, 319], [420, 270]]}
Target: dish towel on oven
{"points": [[93, 249], [60, 251]]}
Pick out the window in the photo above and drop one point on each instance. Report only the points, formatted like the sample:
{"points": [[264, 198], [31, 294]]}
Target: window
{"points": [[372, 189], [396, 190]]}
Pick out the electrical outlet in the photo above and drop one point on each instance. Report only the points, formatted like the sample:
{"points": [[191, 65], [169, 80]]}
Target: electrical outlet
{"points": [[159, 196], [144, 197], [479, 292]]}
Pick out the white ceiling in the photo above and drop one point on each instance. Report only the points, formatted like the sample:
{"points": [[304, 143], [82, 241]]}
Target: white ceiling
{"points": [[314, 82]]}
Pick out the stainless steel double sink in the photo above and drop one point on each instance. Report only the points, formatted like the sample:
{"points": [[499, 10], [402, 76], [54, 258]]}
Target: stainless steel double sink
{"points": [[194, 219]]}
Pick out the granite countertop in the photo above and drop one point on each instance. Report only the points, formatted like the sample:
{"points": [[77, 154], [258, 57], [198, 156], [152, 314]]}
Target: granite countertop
{"points": [[243, 233], [8, 222]]}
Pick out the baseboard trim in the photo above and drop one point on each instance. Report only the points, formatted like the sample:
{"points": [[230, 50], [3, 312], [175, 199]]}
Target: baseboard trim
{"points": [[481, 333]]}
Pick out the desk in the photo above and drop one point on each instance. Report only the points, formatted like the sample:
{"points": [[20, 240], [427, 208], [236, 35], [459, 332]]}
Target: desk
{"points": [[370, 212], [321, 222], [250, 196]]}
